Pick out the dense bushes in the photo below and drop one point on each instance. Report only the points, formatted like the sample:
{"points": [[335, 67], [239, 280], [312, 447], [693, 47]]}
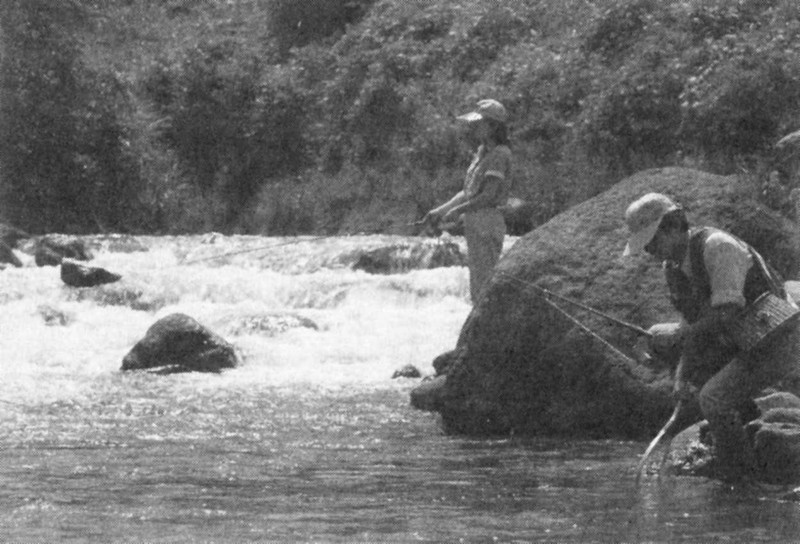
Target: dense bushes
{"points": [[292, 116], [296, 24], [62, 147], [233, 123]]}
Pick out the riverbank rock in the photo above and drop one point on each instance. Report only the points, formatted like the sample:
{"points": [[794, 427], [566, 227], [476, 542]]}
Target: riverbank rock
{"points": [[178, 343], [406, 256], [774, 436], [51, 250], [7, 256], [78, 275], [520, 365], [11, 235], [429, 394]]}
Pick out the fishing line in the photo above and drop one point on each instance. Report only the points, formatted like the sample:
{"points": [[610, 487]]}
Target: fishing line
{"points": [[260, 248]]}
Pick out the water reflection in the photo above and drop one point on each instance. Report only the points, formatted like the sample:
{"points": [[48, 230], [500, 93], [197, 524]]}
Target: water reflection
{"points": [[308, 440]]}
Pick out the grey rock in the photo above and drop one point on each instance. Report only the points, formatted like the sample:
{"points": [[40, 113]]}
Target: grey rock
{"points": [[178, 343], [77, 275], [521, 366]]}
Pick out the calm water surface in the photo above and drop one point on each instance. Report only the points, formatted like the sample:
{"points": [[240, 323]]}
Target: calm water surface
{"points": [[309, 439]]}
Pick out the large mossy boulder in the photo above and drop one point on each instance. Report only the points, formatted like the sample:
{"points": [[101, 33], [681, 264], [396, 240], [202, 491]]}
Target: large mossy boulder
{"points": [[521, 365]]}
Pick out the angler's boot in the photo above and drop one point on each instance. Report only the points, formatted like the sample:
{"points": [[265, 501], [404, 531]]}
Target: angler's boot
{"points": [[732, 449]]}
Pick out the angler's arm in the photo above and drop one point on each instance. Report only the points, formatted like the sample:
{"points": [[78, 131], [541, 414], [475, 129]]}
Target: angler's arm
{"points": [[438, 212], [492, 185]]}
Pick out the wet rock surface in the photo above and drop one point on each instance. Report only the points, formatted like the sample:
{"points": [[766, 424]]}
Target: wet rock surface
{"points": [[178, 343], [52, 249], [402, 257], [774, 437], [78, 275], [521, 366]]}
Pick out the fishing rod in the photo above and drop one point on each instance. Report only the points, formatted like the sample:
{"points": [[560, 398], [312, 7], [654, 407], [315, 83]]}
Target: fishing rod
{"points": [[299, 241], [547, 293], [280, 244], [588, 331], [667, 428]]}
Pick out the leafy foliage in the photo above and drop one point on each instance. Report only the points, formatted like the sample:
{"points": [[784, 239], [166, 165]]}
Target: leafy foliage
{"points": [[289, 116], [62, 147], [296, 24], [232, 123]]}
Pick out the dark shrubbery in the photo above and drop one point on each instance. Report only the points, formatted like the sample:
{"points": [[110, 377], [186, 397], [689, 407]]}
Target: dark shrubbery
{"points": [[286, 116], [62, 147], [294, 23], [234, 123]]}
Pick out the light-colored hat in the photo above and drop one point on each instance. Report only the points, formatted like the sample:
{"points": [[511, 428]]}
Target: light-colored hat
{"points": [[487, 109], [643, 217]]}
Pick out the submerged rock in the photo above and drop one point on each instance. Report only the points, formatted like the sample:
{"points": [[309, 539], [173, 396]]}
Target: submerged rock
{"points": [[77, 275], [54, 316], [51, 250], [178, 343], [134, 296], [774, 437], [408, 371], [269, 324], [120, 243], [521, 366], [410, 256]]}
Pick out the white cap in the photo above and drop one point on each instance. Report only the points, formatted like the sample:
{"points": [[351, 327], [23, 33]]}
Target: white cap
{"points": [[487, 109], [643, 217]]}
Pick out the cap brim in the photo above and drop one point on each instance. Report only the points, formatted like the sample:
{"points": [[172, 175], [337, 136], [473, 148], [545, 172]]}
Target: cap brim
{"points": [[638, 240], [470, 117]]}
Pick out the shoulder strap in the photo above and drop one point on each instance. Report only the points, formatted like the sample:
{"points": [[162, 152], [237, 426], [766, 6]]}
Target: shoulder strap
{"points": [[697, 264], [771, 276]]}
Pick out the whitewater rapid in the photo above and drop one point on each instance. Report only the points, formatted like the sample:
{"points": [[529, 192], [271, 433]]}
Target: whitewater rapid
{"points": [[335, 326]]}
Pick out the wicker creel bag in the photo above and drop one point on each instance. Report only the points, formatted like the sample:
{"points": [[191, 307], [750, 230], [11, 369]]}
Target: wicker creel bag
{"points": [[771, 313]]}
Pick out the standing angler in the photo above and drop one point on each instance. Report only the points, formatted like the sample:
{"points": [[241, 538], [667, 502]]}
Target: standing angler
{"points": [[486, 187], [739, 332]]}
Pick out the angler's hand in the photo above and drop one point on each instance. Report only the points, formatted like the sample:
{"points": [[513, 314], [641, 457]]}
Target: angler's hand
{"points": [[665, 339]]}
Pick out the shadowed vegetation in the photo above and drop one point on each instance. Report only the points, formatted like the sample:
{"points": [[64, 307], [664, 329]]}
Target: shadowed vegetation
{"points": [[281, 117]]}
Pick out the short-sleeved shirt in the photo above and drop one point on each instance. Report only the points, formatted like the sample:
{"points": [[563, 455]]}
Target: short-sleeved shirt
{"points": [[727, 261], [495, 162]]}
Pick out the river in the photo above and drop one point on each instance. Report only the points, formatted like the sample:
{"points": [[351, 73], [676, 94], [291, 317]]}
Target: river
{"points": [[309, 439]]}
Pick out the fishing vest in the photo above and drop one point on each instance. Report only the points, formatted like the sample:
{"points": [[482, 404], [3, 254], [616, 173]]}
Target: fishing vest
{"points": [[691, 295]]}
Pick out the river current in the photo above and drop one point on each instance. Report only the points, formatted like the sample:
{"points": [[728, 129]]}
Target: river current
{"points": [[309, 439]]}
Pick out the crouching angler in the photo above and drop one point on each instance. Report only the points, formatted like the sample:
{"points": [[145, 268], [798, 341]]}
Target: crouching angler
{"points": [[739, 331]]}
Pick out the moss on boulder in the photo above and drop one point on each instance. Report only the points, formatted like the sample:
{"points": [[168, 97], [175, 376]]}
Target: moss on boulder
{"points": [[521, 366]]}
